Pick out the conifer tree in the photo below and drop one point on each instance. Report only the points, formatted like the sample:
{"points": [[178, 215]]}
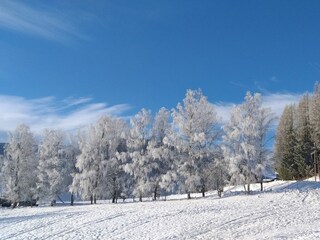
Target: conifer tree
{"points": [[304, 144], [285, 145], [315, 115]]}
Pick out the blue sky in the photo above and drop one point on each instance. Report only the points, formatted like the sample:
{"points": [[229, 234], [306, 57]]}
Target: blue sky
{"points": [[64, 63]]}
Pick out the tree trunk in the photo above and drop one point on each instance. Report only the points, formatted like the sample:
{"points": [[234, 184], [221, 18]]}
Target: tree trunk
{"points": [[203, 190], [155, 193], [94, 199], [72, 199], [140, 198], [115, 194], [91, 199], [248, 188], [53, 202], [189, 195], [261, 185]]}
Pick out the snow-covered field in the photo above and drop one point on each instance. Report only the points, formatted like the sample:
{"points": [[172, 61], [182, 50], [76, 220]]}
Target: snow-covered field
{"points": [[287, 210]]}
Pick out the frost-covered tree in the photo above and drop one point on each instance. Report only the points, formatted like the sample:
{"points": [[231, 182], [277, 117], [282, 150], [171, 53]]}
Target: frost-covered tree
{"points": [[116, 131], [265, 161], [161, 155], [220, 176], [1, 174], [196, 129], [53, 167], [217, 173], [138, 160], [20, 166], [90, 180], [71, 152], [244, 141], [98, 163]]}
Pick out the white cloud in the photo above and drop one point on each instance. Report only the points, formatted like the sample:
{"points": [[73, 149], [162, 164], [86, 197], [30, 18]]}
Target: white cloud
{"points": [[48, 112], [275, 101], [74, 113], [223, 110], [19, 17]]}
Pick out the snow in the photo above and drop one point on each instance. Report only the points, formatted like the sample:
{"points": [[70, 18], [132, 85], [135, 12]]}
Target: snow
{"points": [[286, 210]]}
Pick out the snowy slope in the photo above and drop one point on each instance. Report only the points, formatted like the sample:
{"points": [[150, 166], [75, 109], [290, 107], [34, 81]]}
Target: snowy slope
{"points": [[290, 211]]}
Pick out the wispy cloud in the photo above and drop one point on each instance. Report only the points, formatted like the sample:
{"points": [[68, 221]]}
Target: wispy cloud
{"points": [[74, 113], [48, 112], [238, 84], [275, 101], [19, 17], [273, 79]]}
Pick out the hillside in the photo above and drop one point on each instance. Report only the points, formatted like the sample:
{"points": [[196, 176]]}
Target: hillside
{"points": [[286, 210]]}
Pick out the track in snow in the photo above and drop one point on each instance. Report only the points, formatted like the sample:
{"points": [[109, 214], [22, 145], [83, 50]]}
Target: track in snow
{"points": [[283, 213]]}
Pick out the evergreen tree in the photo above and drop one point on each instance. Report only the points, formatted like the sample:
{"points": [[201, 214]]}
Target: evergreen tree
{"points": [[315, 115], [304, 144], [285, 146]]}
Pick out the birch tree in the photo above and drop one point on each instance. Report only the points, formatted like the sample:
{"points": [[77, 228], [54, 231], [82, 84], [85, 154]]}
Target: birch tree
{"points": [[71, 152], [161, 162], [244, 141], [197, 130], [20, 166], [138, 157], [52, 168], [116, 132], [91, 179]]}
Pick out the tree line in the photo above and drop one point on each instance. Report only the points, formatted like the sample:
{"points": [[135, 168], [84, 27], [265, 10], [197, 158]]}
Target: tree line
{"points": [[188, 149], [298, 137]]}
